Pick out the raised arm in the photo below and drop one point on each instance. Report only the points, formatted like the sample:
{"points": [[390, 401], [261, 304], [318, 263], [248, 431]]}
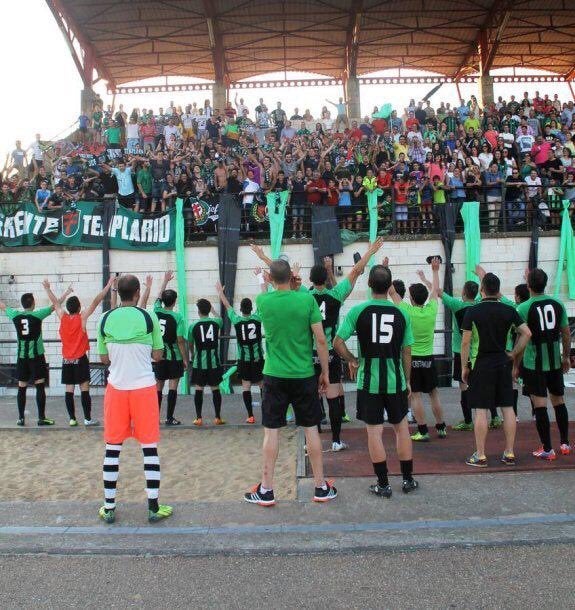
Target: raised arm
{"points": [[328, 264], [223, 298], [359, 267], [143, 302], [168, 277], [97, 300], [435, 264], [55, 303], [259, 252], [114, 296]]}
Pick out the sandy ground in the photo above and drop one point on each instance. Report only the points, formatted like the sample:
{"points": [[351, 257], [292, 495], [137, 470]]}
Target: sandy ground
{"points": [[206, 465]]}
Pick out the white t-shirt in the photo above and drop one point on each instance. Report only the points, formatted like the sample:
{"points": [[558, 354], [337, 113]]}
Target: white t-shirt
{"points": [[130, 367], [532, 184], [132, 131], [249, 186]]}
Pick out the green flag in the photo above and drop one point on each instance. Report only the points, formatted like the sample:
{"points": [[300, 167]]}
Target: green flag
{"points": [[372, 210], [472, 234], [277, 203], [225, 385], [566, 254], [181, 276]]}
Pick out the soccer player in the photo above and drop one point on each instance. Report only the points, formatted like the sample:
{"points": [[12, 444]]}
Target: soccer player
{"points": [[329, 301], [174, 360], [75, 348], [291, 320], [545, 361], [31, 362], [382, 368], [488, 367], [129, 338], [458, 308], [204, 344], [423, 378], [248, 328]]}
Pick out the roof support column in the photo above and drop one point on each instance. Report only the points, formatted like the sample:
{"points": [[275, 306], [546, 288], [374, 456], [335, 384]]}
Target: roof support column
{"points": [[352, 97], [219, 95]]}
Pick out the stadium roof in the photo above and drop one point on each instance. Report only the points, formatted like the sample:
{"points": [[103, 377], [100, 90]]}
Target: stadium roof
{"points": [[231, 40]]}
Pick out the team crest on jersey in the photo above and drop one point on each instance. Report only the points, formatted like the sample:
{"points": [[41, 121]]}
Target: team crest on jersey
{"points": [[259, 212], [201, 212], [71, 222]]}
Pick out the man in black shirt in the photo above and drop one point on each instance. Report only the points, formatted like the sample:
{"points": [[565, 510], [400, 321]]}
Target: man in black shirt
{"points": [[515, 199], [159, 167], [489, 368]]}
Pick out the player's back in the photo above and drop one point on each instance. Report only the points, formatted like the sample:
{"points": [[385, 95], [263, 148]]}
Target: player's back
{"points": [[249, 337], [205, 336]]}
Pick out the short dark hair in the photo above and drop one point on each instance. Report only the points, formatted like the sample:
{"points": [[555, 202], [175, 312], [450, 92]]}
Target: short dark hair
{"points": [[418, 293], [27, 300], [169, 297], [399, 286], [204, 306], [491, 284], [470, 289], [318, 275], [537, 280], [522, 292], [246, 306], [280, 271], [379, 279], [73, 305], [128, 285]]}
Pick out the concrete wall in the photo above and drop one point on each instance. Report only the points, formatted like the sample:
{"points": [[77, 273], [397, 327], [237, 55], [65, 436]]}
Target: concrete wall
{"points": [[505, 256]]}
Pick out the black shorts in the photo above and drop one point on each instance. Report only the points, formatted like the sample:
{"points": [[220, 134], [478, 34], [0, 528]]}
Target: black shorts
{"points": [[279, 393], [334, 367], [251, 371], [457, 367], [168, 369], [75, 372], [205, 377], [31, 369], [127, 201], [537, 383], [372, 407], [490, 387], [423, 377]]}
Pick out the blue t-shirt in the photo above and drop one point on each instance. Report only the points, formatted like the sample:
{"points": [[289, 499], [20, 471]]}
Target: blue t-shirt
{"points": [[42, 196], [125, 182]]}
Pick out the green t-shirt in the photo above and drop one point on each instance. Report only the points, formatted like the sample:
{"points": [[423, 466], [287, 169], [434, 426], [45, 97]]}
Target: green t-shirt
{"points": [[287, 317], [329, 301], [383, 329], [439, 195], [172, 326], [144, 179], [457, 308], [545, 316], [248, 336], [29, 330], [204, 335], [113, 135], [422, 325], [127, 325]]}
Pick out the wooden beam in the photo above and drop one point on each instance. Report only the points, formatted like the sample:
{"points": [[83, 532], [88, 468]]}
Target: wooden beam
{"points": [[569, 76], [216, 42], [352, 39]]}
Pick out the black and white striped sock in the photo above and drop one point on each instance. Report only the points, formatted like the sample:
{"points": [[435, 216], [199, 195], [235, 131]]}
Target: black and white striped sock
{"points": [[152, 474], [110, 472]]}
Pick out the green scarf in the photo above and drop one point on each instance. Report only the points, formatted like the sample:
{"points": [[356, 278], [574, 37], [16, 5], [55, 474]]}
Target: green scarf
{"points": [[472, 233], [181, 276], [277, 203], [566, 254], [372, 210]]}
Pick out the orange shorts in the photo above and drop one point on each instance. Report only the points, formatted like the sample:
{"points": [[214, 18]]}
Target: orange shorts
{"points": [[131, 413]]}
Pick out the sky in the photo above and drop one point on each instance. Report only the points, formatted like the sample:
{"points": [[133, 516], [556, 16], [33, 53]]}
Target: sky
{"points": [[42, 86]]}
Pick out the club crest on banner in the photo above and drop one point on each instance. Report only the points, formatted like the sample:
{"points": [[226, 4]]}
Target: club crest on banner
{"points": [[71, 222]]}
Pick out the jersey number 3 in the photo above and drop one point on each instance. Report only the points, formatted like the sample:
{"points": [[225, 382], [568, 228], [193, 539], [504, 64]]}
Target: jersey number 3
{"points": [[381, 328], [25, 327], [163, 326]]}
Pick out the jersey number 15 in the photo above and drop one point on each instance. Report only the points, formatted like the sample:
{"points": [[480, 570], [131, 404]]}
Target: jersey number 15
{"points": [[381, 328]]}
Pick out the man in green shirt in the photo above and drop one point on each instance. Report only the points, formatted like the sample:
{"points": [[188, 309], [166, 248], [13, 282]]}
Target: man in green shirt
{"points": [[144, 184], [423, 314], [113, 135], [204, 344], [248, 327], [31, 362], [291, 321], [382, 367], [174, 361]]}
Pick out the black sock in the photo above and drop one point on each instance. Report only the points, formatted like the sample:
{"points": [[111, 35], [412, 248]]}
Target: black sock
{"points": [[406, 469], [160, 400], [423, 429], [515, 401], [543, 427], [217, 398], [532, 407], [467, 418], [69, 400], [342, 405], [493, 412], [86, 405], [247, 396], [562, 419], [172, 397], [440, 426], [198, 402], [380, 469], [41, 400], [21, 401], [335, 416]]}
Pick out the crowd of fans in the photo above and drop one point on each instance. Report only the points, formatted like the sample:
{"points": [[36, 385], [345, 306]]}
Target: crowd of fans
{"points": [[515, 157]]}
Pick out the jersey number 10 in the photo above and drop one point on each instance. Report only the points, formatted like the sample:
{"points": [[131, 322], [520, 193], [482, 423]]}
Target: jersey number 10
{"points": [[547, 317], [382, 330]]}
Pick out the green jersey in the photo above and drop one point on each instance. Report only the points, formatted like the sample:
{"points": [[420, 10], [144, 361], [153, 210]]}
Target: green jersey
{"points": [[457, 308], [173, 327], [329, 301], [545, 316], [29, 330], [204, 335], [287, 316], [383, 329], [248, 336], [422, 325]]}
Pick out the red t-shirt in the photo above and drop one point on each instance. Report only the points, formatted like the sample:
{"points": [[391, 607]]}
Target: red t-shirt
{"points": [[379, 126], [400, 191], [74, 338], [315, 197], [384, 181], [332, 196]]}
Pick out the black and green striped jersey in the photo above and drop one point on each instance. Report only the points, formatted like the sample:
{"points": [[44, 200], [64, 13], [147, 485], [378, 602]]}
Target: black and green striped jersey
{"points": [[457, 308], [248, 336], [29, 330], [329, 301], [545, 316], [204, 335], [383, 330], [172, 326]]}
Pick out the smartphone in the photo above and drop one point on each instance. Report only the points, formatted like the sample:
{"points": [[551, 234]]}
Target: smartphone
{"points": [[430, 258], [356, 257]]}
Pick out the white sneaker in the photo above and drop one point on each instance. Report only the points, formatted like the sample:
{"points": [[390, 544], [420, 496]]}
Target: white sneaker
{"points": [[410, 418], [91, 422], [338, 446]]}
